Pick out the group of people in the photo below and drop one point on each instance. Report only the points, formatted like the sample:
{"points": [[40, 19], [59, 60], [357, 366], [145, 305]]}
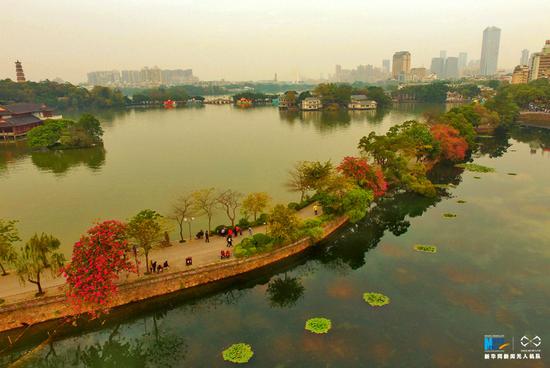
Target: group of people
{"points": [[205, 234], [158, 268]]}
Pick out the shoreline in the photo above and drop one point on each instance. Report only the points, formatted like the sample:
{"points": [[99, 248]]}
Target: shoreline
{"points": [[28, 313]]}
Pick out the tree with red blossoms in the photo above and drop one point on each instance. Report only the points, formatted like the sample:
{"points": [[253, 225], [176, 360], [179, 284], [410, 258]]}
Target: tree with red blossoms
{"points": [[98, 259], [453, 146], [364, 174]]}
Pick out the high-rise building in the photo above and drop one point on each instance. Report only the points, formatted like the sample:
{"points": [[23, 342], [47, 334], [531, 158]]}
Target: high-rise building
{"points": [[462, 61], [520, 75], [489, 51], [401, 65], [386, 66], [19, 72], [540, 63], [524, 57], [451, 68], [438, 67], [443, 54]]}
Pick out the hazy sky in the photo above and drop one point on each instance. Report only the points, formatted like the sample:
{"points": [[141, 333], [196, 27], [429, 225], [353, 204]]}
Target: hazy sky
{"points": [[251, 40]]}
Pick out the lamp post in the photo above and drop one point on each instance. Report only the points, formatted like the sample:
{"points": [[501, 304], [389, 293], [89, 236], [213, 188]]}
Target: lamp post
{"points": [[189, 220]]}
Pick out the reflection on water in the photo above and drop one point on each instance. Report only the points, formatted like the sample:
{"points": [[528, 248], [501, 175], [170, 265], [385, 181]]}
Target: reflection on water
{"points": [[60, 161], [284, 292]]}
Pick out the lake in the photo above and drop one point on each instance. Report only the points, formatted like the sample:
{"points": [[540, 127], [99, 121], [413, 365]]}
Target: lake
{"points": [[490, 274]]}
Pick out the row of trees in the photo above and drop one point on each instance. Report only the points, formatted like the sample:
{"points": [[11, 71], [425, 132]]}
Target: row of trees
{"points": [[63, 133], [60, 95]]}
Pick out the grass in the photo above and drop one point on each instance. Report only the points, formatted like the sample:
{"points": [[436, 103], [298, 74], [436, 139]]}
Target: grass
{"points": [[425, 248], [238, 353], [475, 168], [449, 215], [318, 325], [376, 299]]}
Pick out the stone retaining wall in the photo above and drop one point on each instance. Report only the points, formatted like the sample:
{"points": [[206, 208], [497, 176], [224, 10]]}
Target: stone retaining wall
{"points": [[47, 308]]}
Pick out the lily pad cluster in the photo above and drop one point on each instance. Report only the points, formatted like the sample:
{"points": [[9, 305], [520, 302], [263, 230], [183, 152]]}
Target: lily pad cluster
{"points": [[318, 325], [238, 353], [475, 168], [449, 215], [425, 248], [376, 299]]}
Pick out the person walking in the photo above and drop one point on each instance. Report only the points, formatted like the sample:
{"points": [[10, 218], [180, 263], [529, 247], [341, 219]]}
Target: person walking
{"points": [[207, 236], [154, 266], [229, 241], [315, 209]]}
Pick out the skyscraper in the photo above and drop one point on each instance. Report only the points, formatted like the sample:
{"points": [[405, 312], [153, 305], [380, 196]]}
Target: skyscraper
{"points": [[19, 72], [540, 63], [462, 61], [489, 50], [401, 64], [386, 66], [443, 54], [451, 68], [438, 67], [524, 57]]}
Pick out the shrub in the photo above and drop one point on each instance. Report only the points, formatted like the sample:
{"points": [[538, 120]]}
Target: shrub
{"points": [[318, 325], [376, 299], [258, 243], [238, 353]]}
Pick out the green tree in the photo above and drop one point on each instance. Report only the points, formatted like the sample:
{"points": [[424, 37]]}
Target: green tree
{"points": [[505, 106], [8, 236], [38, 254], [356, 202], [47, 134], [146, 230], [283, 224], [255, 203], [91, 126]]}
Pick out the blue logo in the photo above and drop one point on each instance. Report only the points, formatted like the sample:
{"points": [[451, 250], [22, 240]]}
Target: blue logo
{"points": [[495, 343]]}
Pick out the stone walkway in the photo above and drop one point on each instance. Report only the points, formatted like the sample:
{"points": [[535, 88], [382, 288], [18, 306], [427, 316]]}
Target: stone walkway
{"points": [[11, 290]]}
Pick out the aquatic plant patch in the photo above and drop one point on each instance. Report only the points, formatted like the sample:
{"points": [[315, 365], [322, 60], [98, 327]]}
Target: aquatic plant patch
{"points": [[476, 168], [376, 299], [477, 177], [238, 353], [425, 248], [449, 215], [461, 201], [318, 325], [512, 174]]}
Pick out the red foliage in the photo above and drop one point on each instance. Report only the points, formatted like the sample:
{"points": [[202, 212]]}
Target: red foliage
{"points": [[97, 260], [366, 175], [453, 146]]}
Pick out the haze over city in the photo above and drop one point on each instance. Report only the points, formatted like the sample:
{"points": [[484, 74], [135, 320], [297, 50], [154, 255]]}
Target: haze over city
{"points": [[248, 40]]}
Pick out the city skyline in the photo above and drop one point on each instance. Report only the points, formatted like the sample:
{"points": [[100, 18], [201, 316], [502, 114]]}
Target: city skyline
{"points": [[215, 40]]}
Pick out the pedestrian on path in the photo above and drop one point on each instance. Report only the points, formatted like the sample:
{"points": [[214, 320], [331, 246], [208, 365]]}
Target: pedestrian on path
{"points": [[229, 241], [315, 209], [250, 231], [153, 266], [207, 236]]}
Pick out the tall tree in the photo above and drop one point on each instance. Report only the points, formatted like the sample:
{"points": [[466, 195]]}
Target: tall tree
{"points": [[181, 209], [283, 224], [146, 229], [38, 254], [255, 203], [229, 200], [205, 201], [8, 236], [97, 260]]}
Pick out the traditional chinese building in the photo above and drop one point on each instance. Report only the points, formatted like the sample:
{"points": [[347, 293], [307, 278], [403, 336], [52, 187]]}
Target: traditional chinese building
{"points": [[19, 72], [17, 119], [361, 102]]}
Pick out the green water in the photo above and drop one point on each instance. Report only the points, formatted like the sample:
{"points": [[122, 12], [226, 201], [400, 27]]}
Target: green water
{"points": [[489, 276]]}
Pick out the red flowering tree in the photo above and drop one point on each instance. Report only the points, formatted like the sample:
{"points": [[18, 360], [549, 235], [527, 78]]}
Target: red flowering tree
{"points": [[98, 259], [364, 174], [453, 146]]}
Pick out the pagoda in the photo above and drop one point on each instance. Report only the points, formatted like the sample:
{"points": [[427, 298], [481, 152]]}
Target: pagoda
{"points": [[19, 72]]}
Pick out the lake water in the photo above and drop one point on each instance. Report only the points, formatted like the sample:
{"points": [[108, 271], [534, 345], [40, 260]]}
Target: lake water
{"points": [[489, 276]]}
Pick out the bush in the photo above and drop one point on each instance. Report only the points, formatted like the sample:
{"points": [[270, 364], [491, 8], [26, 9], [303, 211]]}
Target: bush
{"points": [[245, 223], [258, 243]]}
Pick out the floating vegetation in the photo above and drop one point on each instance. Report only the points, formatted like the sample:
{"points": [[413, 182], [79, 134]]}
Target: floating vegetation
{"points": [[425, 248], [476, 168], [238, 353], [376, 299], [318, 325], [484, 136], [449, 215], [477, 177], [442, 186], [1, 301], [512, 174], [461, 201]]}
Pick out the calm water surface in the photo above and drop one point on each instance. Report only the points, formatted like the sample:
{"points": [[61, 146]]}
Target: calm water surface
{"points": [[489, 276]]}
